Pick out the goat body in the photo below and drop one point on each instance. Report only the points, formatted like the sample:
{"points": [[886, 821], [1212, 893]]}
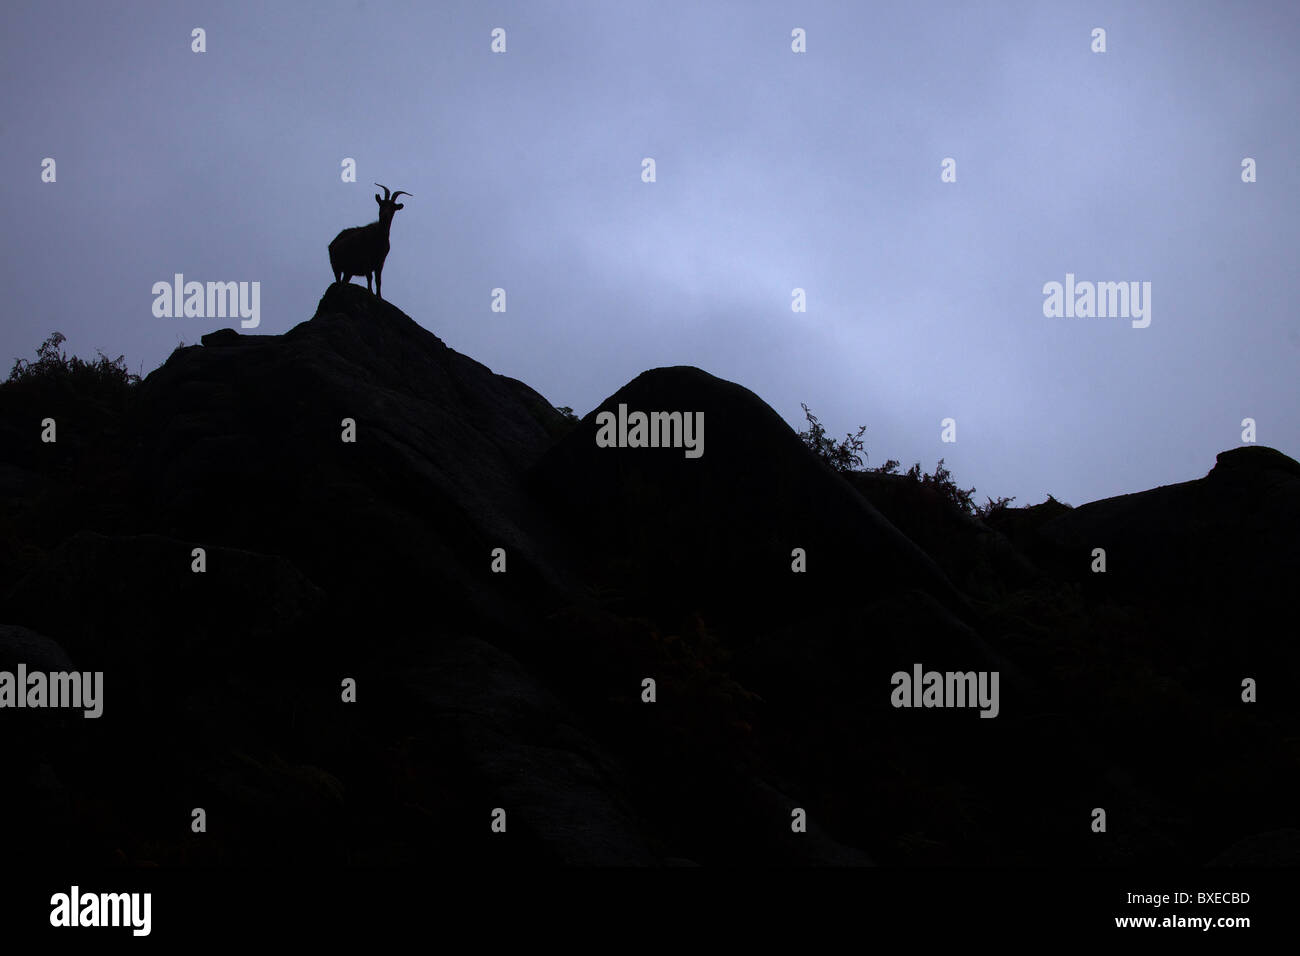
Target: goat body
{"points": [[359, 251]]}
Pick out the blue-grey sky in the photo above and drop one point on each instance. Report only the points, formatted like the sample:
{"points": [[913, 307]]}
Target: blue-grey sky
{"points": [[774, 170]]}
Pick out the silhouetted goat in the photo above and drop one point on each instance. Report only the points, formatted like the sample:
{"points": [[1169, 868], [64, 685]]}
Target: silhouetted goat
{"points": [[361, 250]]}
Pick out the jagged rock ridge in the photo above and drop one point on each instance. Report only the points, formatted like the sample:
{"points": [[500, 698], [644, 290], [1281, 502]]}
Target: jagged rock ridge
{"points": [[372, 560]]}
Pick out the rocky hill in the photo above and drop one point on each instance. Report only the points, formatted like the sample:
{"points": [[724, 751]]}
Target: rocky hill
{"points": [[376, 560]]}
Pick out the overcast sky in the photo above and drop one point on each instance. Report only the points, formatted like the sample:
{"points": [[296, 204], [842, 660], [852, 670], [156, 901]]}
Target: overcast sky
{"points": [[775, 170]]}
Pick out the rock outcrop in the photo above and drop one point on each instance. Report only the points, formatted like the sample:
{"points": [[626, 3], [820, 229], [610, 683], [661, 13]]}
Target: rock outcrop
{"points": [[667, 657]]}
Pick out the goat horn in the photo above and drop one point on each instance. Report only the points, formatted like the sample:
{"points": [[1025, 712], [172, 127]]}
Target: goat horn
{"points": [[400, 192], [385, 189]]}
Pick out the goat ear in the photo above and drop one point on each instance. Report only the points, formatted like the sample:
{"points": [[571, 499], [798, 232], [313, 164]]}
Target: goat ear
{"points": [[400, 205], [377, 199]]}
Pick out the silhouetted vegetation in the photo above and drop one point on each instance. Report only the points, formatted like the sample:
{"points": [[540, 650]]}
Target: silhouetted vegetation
{"points": [[850, 455], [992, 507], [53, 367], [846, 455], [941, 481]]}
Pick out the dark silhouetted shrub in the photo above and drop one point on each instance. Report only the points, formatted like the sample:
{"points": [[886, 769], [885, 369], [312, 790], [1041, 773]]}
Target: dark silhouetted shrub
{"points": [[53, 367], [846, 455]]}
